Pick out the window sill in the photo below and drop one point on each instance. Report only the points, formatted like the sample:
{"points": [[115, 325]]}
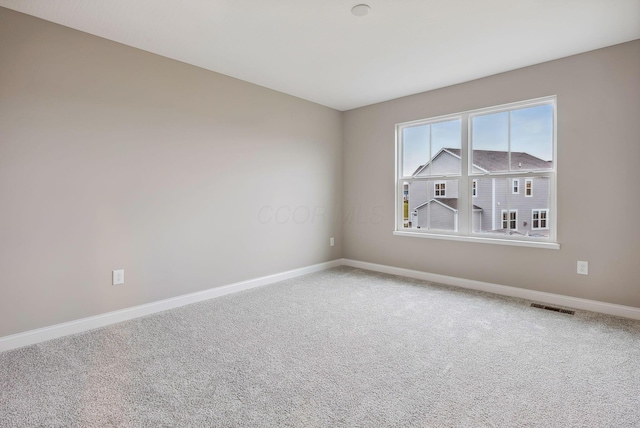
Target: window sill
{"points": [[481, 240]]}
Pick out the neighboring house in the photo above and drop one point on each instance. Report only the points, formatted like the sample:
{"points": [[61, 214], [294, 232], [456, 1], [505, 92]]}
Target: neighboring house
{"points": [[515, 205], [443, 213]]}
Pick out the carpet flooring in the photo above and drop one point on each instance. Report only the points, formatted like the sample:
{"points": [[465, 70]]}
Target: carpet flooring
{"points": [[339, 348]]}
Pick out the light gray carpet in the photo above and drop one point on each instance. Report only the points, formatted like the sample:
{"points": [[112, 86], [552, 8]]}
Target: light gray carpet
{"points": [[343, 347]]}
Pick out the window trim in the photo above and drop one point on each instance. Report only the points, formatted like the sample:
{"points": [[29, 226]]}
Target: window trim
{"points": [[464, 232], [528, 189], [474, 188], [442, 190], [480, 240], [515, 186], [540, 211], [509, 220]]}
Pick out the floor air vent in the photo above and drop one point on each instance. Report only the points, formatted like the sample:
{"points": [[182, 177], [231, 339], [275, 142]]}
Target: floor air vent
{"points": [[552, 308]]}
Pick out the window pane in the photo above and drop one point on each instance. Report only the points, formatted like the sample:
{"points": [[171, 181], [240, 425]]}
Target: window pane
{"points": [[540, 202], [491, 206], [532, 138], [432, 149], [427, 210], [490, 140], [496, 210], [445, 146], [525, 136], [415, 148]]}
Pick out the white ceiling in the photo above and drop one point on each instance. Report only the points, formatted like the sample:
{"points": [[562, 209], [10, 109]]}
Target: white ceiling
{"points": [[319, 51]]}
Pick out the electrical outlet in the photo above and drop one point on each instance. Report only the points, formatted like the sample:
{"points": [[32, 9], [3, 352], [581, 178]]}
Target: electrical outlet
{"points": [[118, 277], [332, 242], [583, 268]]}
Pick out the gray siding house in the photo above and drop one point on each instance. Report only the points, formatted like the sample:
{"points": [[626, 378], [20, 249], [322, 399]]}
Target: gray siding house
{"points": [[513, 205]]}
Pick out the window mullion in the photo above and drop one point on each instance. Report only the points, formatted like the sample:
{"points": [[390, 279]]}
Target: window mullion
{"points": [[465, 213], [509, 141], [430, 150]]}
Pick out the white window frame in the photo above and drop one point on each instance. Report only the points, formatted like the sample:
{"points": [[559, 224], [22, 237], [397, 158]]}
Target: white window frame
{"points": [[515, 186], [474, 188], [539, 219], [465, 179], [442, 191], [530, 188], [509, 220]]}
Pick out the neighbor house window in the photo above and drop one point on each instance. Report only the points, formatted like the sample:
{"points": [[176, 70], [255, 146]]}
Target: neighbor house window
{"points": [[539, 219], [510, 221], [442, 165]]}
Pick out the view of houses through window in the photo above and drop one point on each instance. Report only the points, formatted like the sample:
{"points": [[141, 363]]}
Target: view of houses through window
{"points": [[499, 183]]}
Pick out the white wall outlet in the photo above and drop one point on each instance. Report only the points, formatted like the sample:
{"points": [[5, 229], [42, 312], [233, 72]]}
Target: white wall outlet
{"points": [[583, 268], [118, 277], [332, 242]]}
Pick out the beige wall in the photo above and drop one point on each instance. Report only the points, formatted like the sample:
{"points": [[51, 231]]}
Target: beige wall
{"points": [[598, 199], [111, 157]]}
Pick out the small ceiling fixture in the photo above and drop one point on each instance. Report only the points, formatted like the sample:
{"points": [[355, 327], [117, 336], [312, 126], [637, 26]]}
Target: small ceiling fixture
{"points": [[360, 9]]}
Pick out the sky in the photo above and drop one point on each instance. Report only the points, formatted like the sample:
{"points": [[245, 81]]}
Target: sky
{"points": [[531, 132]]}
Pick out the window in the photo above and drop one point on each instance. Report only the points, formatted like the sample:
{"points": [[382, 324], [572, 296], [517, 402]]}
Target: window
{"points": [[429, 170], [510, 222], [470, 191], [539, 219]]}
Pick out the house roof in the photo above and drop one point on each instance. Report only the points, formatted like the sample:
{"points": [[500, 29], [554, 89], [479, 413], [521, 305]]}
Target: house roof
{"points": [[495, 160], [448, 202], [444, 150]]}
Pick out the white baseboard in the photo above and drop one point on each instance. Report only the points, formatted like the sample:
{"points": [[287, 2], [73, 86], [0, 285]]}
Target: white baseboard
{"points": [[538, 296], [78, 326]]}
